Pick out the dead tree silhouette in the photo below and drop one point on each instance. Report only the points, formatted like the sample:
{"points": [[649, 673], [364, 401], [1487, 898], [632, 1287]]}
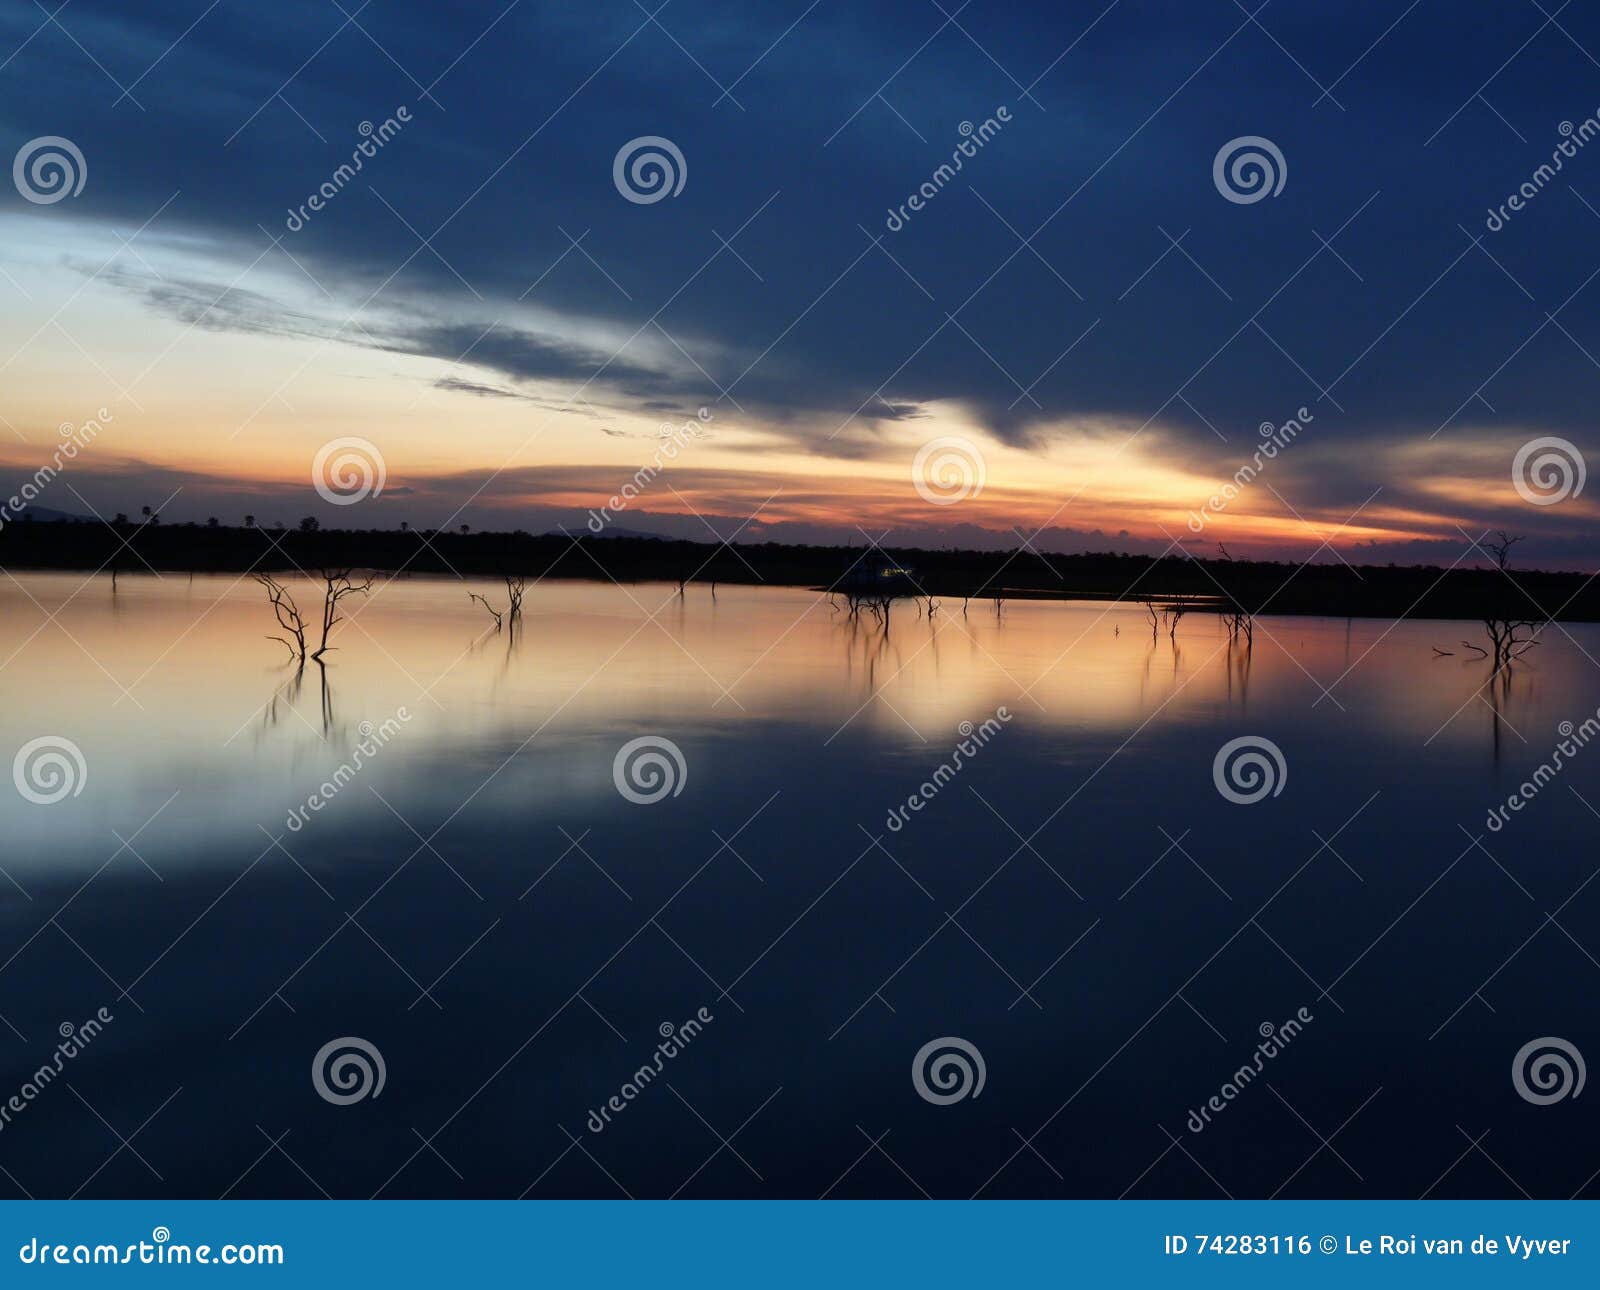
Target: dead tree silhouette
{"points": [[494, 613], [1498, 547], [287, 614], [1241, 625], [338, 586], [1509, 637], [514, 589]]}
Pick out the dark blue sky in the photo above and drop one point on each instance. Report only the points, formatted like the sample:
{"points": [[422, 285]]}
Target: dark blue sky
{"points": [[1400, 124]]}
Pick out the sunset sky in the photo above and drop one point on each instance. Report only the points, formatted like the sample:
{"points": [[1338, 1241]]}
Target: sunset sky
{"points": [[1081, 303]]}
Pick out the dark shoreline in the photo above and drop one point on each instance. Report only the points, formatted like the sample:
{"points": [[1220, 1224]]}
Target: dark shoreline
{"points": [[1329, 590]]}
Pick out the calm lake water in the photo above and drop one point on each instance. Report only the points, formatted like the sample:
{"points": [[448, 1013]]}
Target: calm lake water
{"points": [[1079, 903]]}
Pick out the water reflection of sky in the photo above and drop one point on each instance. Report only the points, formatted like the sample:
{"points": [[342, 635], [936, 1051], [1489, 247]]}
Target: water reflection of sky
{"points": [[1080, 902]]}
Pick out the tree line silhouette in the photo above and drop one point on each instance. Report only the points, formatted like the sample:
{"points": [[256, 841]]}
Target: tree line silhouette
{"points": [[1513, 601]]}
